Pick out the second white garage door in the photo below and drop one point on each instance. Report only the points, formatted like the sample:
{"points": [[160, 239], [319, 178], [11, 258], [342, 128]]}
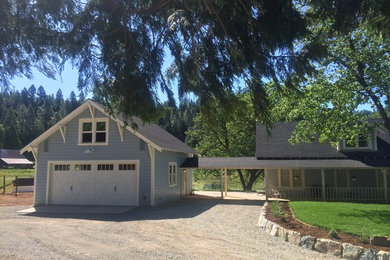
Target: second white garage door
{"points": [[94, 183]]}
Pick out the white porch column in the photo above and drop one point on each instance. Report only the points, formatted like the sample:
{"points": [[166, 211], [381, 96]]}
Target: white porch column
{"points": [[323, 183], [385, 185], [265, 184], [225, 186]]}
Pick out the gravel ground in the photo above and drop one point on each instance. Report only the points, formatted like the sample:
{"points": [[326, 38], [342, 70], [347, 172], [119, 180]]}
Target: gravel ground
{"points": [[184, 229]]}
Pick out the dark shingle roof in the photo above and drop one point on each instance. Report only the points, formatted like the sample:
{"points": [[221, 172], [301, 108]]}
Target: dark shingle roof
{"points": [[277, 146], [157, 135], [12, 154], [253, 163], [162, 138]]}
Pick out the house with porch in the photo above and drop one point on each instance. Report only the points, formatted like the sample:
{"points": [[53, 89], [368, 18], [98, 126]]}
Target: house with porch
{"points": [[353, 171], [358, 170]]}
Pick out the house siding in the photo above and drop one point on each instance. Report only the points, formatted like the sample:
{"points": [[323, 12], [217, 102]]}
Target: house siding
{"points": [[71, 151], [163, 192]]}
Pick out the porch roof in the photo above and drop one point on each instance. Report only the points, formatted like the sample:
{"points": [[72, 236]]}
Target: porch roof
{"points": [[253, 163]]}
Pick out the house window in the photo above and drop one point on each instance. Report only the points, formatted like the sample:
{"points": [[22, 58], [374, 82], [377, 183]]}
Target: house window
{"points": [[172, 174], [127, 167], [82, 167], [105, 167], [62, 167], [360, 142], [93, 131]]}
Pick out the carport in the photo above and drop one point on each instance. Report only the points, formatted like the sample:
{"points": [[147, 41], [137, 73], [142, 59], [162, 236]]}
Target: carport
{"points": [[223, 164]]}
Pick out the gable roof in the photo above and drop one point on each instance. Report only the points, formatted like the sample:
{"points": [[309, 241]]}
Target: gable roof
{"points": [[10, 156], [277, 146], [151, 134]]}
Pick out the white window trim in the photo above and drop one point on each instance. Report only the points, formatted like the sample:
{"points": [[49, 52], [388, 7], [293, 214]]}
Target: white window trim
{"points": [[175, 173], [93, 121], [357, 147]]}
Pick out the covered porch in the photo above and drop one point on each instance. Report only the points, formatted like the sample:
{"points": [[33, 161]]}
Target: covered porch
{"points": [[322, 179]]}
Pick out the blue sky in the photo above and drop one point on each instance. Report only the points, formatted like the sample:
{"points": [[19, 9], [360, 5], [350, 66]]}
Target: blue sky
{"points": [[67, 82]]}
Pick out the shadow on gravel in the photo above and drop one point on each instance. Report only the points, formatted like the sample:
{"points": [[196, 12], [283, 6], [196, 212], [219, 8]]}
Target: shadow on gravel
{"points": [[183, 208]]}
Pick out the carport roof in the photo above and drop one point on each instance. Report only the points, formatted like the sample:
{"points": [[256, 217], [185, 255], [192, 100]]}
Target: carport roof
{"points": [[253, 163]]}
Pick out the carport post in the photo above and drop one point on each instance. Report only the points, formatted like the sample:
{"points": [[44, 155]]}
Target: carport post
{"points": [[225, 186], [221, 175]]}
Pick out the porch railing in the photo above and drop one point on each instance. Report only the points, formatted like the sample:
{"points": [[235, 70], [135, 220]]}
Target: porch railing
{"points": [[329, 194]]}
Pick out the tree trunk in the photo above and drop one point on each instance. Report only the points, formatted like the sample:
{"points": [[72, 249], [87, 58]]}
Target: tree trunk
{"points": [[253, 176]]}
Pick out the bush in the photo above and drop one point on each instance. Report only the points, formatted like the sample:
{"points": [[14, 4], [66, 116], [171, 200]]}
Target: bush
{"points": [[333, 234], [277, 210]]}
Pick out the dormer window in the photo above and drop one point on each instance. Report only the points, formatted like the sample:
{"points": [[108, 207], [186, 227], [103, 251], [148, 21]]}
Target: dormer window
{"points": [[362, 141], [93, 131]]}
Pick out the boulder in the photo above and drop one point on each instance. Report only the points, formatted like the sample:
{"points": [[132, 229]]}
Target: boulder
{"points": [[275, 230], [382, 255], [380, 241], [308, 242], [328, 246], [262, 222], [283, 233], [294, 237], [368, 254], [352, 252], [268, 226]]}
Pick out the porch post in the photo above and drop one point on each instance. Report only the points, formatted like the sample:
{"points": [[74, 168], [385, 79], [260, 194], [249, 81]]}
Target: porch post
{"points": [[385, 185], [225, 186], [221, 177], [323, 183], [265, 184]]}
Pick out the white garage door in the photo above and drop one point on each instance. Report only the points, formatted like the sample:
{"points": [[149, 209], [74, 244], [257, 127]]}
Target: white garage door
{"points": [[97, 183]]}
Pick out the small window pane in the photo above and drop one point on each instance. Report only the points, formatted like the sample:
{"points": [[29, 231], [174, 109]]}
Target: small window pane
{"points": [[363, 141], [101, 137], [87, 126], [87, 138], [82, 167], [101, 126], [105, 167]]}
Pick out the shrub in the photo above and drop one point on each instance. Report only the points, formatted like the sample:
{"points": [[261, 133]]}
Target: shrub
{"points": [[333, 234], [277, 210]]}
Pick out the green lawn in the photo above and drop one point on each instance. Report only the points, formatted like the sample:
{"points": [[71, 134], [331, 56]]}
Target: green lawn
{"points": [[353, 218], [10, 176]]}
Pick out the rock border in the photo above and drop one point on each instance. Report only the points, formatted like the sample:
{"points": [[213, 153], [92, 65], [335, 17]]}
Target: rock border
{"points": [[322, 245]]}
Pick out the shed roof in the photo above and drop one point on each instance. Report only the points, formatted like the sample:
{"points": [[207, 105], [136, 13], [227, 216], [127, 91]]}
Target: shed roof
{"points": [[152, 134], [11, 156], [253, 163]]}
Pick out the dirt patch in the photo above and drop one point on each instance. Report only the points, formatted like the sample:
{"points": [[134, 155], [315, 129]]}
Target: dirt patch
{"points": [[23, 199], [293, 224]]}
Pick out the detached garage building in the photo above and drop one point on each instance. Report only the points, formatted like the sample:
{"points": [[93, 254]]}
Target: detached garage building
{"points": [[92, 158]]}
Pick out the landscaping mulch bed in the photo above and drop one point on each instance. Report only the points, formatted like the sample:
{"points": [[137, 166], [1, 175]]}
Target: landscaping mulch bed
{"points": [[305, 229]]}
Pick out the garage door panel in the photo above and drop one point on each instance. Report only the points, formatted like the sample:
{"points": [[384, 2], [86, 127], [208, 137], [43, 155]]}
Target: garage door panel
{"points": [[84, 185], [94, 187], [62, 187]]}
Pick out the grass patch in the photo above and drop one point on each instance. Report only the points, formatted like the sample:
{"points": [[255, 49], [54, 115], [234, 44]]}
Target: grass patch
{"points": [[10, 175], [358, 219]]}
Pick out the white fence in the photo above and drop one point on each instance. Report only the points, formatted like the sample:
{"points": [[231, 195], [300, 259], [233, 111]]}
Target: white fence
{"points": [[330, 194]]}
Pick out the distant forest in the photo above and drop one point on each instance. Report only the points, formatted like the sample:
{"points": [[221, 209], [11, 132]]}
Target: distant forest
{"points": [[26, 114]]}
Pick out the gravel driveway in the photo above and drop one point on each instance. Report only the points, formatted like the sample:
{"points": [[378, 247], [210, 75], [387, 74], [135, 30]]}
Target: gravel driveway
{"points": [[184, 229]]}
